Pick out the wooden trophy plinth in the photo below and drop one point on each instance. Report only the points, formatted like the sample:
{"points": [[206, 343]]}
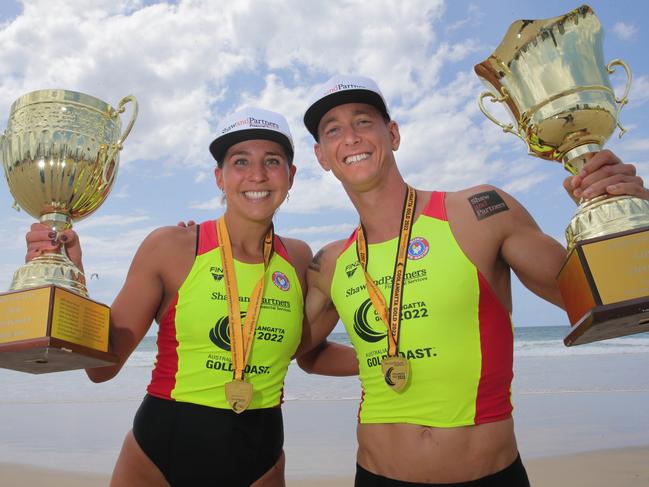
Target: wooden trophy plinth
{"points": [[50, 329], [605, 287]]}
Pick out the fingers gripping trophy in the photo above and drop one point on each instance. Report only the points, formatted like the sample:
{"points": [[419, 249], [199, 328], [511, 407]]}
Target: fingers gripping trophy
{"points": [[60, 155], [551, 76]]}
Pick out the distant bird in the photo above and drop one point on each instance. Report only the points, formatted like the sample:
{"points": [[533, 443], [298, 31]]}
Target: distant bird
{"points": [[94, 276]]}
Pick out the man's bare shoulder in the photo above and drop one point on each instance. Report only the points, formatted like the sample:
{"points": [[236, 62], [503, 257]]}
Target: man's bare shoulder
{"points": [[324, 260], [482, 204]]}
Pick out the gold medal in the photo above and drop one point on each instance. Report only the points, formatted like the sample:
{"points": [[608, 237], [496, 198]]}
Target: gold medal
{"points": [[396, 371], [239, 394]]}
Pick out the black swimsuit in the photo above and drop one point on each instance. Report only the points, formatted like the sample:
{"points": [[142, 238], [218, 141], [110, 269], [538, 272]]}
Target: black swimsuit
{"points": [[196, 445]]}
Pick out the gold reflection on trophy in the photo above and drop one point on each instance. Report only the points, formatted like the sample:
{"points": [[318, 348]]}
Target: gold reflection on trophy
{"points": [[60, 155], [551, 76]]}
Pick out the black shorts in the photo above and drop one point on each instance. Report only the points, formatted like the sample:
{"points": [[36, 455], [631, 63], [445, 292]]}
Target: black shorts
{"points": [[512, 476], [200, 445]]}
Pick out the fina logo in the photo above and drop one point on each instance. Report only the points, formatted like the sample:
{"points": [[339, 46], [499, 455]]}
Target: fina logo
{"points": [[418, 248], [281, 281]]}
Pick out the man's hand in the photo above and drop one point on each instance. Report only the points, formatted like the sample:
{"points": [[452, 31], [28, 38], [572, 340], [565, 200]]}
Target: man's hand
{"points": [[605, 173]]}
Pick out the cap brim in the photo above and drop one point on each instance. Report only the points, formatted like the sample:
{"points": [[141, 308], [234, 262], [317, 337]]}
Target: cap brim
{"points": [[316, 111], [220, 145]]}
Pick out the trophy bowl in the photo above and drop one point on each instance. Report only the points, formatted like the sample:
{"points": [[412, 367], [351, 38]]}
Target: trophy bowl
{"points": [[551, 77], [60, 155]]}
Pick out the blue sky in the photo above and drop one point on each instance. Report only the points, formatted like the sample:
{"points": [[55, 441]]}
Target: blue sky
{"points": [[189, 63]]}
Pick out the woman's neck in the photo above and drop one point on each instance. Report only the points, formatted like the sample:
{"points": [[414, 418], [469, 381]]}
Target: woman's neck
{"points": [[247, 237]]}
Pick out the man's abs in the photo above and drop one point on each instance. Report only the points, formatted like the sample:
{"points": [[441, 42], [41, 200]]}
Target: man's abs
{"points": [[436, 455]]}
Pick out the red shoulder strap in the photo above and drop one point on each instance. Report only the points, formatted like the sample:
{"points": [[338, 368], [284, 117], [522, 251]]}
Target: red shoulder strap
{"points": [[436, 208], [207, 237]]}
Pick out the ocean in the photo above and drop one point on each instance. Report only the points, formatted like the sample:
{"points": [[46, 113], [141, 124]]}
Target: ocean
{"points": [[566, 400], [542, 364]]}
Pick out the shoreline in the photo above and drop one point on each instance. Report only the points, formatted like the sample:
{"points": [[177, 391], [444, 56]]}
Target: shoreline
{"points": [[624, 467]]}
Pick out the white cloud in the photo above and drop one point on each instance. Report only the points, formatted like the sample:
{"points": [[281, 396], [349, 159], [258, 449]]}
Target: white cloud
{"points": [[625, 31], [110, 222], [639, 91], [473, 17], [191, 62], [212, 204]]}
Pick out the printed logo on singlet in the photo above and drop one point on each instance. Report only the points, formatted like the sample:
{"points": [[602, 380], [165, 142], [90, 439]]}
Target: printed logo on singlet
{"points": [[363, 328], [220, 334], [217, 273], [281, 281], [351, 268], [418, 248]]}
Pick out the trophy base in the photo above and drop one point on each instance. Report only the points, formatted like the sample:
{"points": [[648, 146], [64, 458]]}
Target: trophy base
{"points": [[611, 321], [50, 329], [604, 284], [48, 354]]}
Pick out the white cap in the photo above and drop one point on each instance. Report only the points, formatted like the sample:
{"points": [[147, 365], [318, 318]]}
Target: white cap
{"points": [[339, 90], [251, 123]]}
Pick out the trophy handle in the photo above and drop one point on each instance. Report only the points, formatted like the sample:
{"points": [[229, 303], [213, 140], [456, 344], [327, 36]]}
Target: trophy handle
{"points": [[625, 97], [3, 138], [498, 99], [108, 174], [120, 109]]}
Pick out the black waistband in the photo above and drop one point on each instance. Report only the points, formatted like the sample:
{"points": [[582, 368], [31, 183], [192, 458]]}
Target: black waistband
{"points": [[512, 476]]}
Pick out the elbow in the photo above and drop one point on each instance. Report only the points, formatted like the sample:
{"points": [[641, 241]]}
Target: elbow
{"points": [[306, 363], [102, 374]]}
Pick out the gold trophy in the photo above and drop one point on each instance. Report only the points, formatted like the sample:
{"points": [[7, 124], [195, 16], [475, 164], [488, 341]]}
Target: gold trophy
{"points": [[60, 155], [550, 75]]}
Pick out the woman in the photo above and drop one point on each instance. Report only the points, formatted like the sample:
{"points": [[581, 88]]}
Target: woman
{"points": [[228, 297]]}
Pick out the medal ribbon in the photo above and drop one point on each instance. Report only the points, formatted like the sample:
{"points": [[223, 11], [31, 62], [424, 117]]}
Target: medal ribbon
{"points": [[241, 335], [391, 317]]}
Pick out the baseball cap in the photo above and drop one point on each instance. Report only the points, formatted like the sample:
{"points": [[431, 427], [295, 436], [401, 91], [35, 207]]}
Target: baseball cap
{"points": [[248, 124], [339, 90]]}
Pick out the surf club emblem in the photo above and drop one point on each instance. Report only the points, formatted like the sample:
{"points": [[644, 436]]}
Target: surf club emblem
{"points": [[418, 248], [281, 281]]}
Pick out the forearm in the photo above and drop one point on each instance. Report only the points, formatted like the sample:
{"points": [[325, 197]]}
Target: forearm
{"points": [[330, 358], [122, 344]]}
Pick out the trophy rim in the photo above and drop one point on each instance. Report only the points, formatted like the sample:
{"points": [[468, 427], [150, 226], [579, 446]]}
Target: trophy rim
{"points": [[60, 95], [518, 30]]}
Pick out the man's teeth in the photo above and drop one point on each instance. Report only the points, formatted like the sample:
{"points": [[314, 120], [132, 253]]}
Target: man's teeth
{"points": [[256, 195], [356, 158]]}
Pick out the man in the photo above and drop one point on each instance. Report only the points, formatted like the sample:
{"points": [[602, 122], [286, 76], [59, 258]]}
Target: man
{"points": [[425, 296]]}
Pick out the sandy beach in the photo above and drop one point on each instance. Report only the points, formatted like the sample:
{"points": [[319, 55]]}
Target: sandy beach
{"points": [[320, 445], [625, 467], [581, 420]]}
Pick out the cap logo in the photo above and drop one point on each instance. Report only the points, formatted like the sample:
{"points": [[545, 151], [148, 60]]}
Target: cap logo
{"points": [[251, 122], [342, 86]]}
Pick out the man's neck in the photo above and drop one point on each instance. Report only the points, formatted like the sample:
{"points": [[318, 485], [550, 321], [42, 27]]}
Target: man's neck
{"points": [[380, 209]]}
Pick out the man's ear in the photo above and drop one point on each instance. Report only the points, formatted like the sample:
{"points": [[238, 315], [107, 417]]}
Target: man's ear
{"points": [[321, 159], [395, 136]]}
